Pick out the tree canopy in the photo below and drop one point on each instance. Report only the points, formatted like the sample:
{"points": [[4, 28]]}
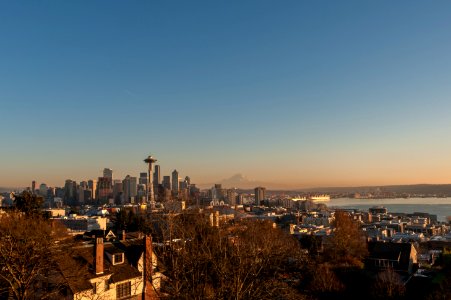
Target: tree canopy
{"points": [[347, 244], [28, 203]]}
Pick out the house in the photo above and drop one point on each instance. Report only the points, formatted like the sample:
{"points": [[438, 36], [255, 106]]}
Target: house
{"points": [[125, 269], [401, 257], [79, 224], [108, 235]]}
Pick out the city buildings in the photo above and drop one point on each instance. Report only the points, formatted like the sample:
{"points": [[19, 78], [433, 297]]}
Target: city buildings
{"points": [[130, 188], [156, 176], [104, 188], [81, 224], [118, 191], [150, 187], [167, 182], [259, 195], [175, 183], [70, 192], [43, 190], [92, 187], [108, 173], [143, 178]]}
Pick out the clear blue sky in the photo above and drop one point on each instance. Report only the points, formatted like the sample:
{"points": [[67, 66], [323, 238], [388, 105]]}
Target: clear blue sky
{"points": [[307, 93]]}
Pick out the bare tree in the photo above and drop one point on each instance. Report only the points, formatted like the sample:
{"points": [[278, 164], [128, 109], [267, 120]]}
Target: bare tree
{"points": [[388, 285], [249, 260], [324, 280], [26, 255]]}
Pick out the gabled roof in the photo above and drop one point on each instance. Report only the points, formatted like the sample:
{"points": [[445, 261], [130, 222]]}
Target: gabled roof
{"points": [[399, 252], [76, 264]]}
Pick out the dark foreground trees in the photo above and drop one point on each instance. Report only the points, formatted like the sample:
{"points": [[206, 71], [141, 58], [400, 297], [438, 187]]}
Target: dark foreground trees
{"points": [[28, 203], [337, 272], [247, 260], [347, 245], [388, 285], [26, 256]]}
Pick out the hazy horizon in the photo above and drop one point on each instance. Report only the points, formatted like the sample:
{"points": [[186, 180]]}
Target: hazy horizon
{"points": [[248, 183], [299, 93]]}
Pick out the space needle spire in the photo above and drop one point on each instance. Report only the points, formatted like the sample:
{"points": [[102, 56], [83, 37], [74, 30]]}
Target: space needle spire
{"points": [[150, 190]]}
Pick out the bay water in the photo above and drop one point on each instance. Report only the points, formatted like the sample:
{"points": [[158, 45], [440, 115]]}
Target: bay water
{"points": [[435, 206]]}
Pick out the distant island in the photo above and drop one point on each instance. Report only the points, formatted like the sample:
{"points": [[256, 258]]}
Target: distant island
{"points": [[387, 191]]}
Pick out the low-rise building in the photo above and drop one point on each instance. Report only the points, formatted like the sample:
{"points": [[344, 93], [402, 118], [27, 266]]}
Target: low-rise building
{"points": [[80, 224], [400, 257]]}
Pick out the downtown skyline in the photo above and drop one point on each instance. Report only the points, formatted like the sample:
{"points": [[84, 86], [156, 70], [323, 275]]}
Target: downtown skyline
{"points": [[298, 94]]}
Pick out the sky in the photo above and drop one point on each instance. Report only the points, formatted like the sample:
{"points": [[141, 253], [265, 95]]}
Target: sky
{"points": [[295, 93]]}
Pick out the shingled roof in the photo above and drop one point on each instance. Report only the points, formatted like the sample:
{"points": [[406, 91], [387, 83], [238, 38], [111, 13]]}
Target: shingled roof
{"points": [[77, 264], [399, 253]]}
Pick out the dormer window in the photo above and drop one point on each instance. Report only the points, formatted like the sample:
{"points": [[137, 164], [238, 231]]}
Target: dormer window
{"points": [[115, 256], [118, 258]]}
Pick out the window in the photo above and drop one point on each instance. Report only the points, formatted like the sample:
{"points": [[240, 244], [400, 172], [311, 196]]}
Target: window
{"points": [[123, 290], [118, 258], [107, 285]]}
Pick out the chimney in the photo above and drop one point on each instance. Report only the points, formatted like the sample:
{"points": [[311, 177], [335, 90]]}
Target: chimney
{"points": [[98, 256], [123, 235], [148, 288]]}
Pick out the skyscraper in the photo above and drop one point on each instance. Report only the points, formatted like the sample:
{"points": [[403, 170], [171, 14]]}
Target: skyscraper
{"points": [[130, 188], [92, 186], [81, 194], [156, 181], [108, 173], [43, 190], [175, 183], [70, 192], [105, 188], [143, 178], [259, 194], [231, 196], [118, 190], [84, 184], [167, 182], [156, 176]]}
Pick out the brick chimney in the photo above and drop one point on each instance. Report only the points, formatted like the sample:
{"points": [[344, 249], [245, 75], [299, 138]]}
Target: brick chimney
{"points": [[149, 292], [124, 236], [98, 256]]}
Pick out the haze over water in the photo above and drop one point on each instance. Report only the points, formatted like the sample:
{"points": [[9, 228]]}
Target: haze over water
{"points": [[436, 206]]}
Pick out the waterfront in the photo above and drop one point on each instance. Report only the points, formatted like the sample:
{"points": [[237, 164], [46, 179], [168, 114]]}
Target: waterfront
{"points": [[436, 206]]}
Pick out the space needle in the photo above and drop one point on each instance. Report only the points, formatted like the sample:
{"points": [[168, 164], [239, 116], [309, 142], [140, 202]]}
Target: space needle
{"points": [[150, 191]]}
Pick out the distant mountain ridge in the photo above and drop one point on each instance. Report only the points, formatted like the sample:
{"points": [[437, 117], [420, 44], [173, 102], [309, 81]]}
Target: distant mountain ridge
{"points": [[442, 189], [237, 181], [242, 182]]}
